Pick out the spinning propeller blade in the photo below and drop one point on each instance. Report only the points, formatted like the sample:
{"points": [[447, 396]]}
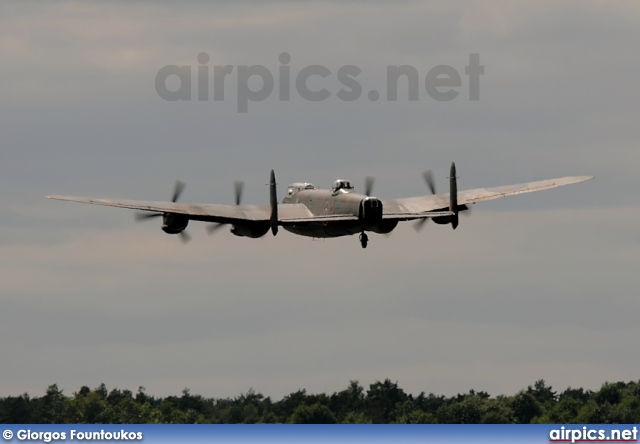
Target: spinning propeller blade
{"points": [[273, 197], [368, 185], [139, 216], [177, 191], [428, 178], [184, 237], [238, 188], [212, 228]]}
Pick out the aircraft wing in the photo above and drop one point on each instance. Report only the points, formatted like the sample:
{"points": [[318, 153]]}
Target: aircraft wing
{"points": [[311, 218], [412, 216], [422, 207], [229, 214], [344, 217], [406, 208]]}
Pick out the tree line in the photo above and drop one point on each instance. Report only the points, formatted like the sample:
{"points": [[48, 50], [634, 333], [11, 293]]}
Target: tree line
{"points": [[383, 403]]}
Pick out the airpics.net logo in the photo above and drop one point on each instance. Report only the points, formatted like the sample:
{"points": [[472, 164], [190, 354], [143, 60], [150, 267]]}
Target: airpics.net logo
{"points": [[256, 83], [590, 434]]}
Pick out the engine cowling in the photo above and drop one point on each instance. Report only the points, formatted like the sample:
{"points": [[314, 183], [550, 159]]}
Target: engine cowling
{"points": [[173, 223], [253, 230], [370, 210], [442, 220], [384, 226]]}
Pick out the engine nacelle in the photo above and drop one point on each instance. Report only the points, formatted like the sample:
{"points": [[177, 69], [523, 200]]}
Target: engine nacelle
{"points": [[370, 210], [384, 226], [254, 230], [442, 220], [173, 223]]}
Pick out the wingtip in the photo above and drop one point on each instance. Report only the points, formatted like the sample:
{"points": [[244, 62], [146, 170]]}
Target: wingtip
{"points": [[575, 179]]}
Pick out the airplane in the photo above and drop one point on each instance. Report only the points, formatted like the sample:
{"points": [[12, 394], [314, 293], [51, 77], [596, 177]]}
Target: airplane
{"points": [[309, 211]]}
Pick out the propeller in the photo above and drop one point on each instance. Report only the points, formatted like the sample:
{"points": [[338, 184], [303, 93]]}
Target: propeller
{"points": [[238, 188], [428, 178], [144, 216], [419, 225], [212, 228], [177, 191], [184, 237], [368, 185], [273, 200], [453, 196]]}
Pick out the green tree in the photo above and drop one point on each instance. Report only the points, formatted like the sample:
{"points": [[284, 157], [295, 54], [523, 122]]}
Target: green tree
{"points": [[17, 410], [430, 403], [381, 401], [312, 414], [609, 393], [567, 406], [525, 407], [347, 401], [497, 411], [284, 409], [354, 417], [467, 409], [384, 402], [50, 409], [89, 408], [543, 394]]}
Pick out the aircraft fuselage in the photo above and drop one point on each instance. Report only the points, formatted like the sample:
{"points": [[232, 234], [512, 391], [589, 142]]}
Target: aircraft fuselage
{"points": [[327, 203]]}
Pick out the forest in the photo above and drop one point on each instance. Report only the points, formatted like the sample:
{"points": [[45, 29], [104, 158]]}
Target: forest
{"points": [[382, 403]]}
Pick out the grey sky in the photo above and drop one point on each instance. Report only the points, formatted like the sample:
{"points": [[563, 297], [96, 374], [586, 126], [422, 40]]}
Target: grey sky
{"points": [[537, 286]]}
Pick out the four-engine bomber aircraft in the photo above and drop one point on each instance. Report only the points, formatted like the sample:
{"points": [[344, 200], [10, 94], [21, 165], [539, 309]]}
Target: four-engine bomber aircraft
{"points": [[308, 211]]}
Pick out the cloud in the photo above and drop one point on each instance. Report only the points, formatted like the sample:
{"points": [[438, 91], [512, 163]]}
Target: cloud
{"points": [[525, 288]]}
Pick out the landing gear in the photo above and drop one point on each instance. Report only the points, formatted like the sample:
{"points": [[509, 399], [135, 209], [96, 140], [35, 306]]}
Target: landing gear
{"points": [[364, 239]]}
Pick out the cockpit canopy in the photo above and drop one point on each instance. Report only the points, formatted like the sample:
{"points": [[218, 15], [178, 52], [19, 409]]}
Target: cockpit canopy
{"points": [[342, 185], [295, 187]]}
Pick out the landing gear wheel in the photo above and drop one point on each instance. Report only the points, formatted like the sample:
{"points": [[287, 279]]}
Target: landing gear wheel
{"points": [[364, 239]]}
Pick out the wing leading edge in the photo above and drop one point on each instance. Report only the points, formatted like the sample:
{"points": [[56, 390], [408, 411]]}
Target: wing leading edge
{"points": [[202, 212], [430, 203]]}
